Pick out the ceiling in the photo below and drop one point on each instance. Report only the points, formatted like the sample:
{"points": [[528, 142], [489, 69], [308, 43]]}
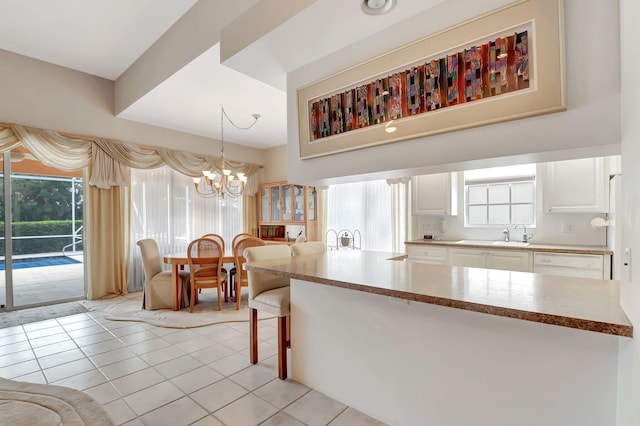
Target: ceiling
{"points": [[105, 37]]}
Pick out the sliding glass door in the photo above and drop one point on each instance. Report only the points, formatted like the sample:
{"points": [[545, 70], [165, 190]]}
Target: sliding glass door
{"points": [[42, 233]]}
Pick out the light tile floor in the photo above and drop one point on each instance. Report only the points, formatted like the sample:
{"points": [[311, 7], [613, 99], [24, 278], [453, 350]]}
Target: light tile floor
{"points": [[148, 375]]}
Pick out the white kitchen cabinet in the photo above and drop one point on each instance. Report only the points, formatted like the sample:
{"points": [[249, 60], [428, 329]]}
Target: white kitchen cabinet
{"points": [[435, 194], [596, 266], [576, 186], [508, 260], [427, 254]]}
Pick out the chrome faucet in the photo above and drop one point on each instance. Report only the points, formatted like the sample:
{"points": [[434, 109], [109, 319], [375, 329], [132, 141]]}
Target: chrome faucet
{"points": [[505, 231], [525, 237]]}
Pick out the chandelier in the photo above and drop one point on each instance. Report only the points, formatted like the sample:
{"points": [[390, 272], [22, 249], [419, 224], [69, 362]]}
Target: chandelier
{"points": [[216, 184]]}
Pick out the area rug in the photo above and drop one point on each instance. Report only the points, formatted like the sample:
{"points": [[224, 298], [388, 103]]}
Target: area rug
{"points": [[205, 313], [25, 316], [24, 403]]}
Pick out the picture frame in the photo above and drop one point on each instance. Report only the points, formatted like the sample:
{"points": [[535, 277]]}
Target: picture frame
{"points": [[442, 83]]}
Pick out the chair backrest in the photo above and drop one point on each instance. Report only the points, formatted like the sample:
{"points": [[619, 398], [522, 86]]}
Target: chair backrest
{"points": [[217, 238], [311, 247], [238, 253], [203, 255], [260, 281], [150, 257], [239, 237]]}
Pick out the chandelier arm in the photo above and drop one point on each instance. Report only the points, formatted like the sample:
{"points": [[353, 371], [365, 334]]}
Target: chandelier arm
{"points": [[228, 183]]}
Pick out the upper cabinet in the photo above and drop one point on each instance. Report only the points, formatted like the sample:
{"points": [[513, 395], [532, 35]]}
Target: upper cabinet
{"points": [[576, 186], [435, 194], [282, 204]]}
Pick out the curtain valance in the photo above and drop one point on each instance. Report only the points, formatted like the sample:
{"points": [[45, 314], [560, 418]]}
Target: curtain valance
{"points": [[111, 159]]}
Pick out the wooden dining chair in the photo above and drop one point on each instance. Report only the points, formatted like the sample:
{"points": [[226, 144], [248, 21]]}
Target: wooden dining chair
{"points": [[205, 268], [218, 239], [241, 279], [232, 272]]}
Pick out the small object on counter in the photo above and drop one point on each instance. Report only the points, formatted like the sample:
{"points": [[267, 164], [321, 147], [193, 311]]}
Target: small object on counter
{"points": [[428, 237]]}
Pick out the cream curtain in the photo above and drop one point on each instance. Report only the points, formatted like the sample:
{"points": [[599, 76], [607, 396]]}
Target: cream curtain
{"points": [[109, 162], [249, 214], [107, 241]]}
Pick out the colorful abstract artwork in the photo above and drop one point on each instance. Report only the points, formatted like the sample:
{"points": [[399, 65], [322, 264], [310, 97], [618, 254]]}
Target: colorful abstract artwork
{"points": [[337, 118], [325, 120], [479, 71], [414, 95], [363, 117], [379, 94], [396, 95], [473, 86], [432, 99], [348, 102]]}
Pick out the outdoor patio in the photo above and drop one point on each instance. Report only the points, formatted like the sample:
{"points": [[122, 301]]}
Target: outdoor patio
{"points": [[43, 284]]}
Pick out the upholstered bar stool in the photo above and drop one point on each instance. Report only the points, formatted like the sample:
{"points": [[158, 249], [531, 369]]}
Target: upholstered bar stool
{"points": [[269, 293], [310, 247]]}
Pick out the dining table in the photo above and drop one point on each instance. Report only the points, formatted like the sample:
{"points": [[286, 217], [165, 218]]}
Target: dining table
{"points": [[177, 262]]}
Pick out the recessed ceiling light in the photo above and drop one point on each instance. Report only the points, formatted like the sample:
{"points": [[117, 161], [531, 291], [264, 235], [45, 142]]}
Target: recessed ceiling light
{"points": [[377, 7]]}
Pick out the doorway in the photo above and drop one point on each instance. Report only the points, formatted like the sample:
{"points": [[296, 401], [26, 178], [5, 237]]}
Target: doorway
{"points": [[41, 251]]}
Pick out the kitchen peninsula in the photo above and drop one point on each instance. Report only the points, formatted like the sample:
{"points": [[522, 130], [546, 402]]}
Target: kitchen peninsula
{"points": [[413, 343]]}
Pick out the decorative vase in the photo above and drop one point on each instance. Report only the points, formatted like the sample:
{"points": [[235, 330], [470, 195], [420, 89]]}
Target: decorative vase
{"points": [[345, 241]]}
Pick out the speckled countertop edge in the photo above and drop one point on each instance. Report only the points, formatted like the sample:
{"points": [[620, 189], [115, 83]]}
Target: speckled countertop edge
{"points": [[621, 327]]}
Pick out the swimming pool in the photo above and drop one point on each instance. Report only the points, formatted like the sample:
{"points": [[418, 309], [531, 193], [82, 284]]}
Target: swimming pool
{"points": [[34, 262]]}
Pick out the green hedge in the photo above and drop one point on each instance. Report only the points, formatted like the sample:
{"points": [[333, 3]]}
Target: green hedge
{"points": [[40, 229]]}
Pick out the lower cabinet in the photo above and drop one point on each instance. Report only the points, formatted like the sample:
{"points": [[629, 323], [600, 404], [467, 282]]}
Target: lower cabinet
{"points": [[491, 259], [426, 254], [548, 263]]}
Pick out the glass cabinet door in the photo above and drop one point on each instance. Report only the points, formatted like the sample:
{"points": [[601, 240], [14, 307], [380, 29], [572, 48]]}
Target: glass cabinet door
{"points": [[311, 203], [264, 204], [298, 205], [286, 203], [275, 203]]}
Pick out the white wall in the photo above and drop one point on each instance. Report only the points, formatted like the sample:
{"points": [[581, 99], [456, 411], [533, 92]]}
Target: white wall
{"points": [[629, 363], [590, 126], [40, 94], [412, 363], [548, 229]]}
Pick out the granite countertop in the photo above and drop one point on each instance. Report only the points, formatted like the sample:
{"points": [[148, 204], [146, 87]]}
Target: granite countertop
{"points": [[555, 248], [581, 303]]}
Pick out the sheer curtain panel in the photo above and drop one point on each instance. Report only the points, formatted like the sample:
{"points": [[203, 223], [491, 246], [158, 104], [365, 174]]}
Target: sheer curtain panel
{"points": [[165, 207]]}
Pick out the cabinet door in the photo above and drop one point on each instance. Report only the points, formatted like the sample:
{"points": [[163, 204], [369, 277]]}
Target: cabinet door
{"points": [[468, 257], [312, 200], [434, 194], [287, 200], [509, 260], [426, 254], [298, 203], [264, 204], [275, 204], [576, 186]]}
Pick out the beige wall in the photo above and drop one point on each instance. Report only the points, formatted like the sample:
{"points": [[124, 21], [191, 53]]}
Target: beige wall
{"points": [[629, 362], [590, 126], [275, 164], [39, 94]]}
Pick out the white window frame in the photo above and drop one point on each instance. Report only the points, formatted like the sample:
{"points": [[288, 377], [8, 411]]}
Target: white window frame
{"points": [[499, 179]]}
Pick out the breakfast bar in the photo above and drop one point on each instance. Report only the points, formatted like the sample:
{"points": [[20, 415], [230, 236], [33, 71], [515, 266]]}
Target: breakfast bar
{"points": [[413, 343]]}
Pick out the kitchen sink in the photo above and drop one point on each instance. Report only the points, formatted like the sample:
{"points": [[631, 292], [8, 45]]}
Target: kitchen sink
{"points": [[493, 243], [510, 243]]}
